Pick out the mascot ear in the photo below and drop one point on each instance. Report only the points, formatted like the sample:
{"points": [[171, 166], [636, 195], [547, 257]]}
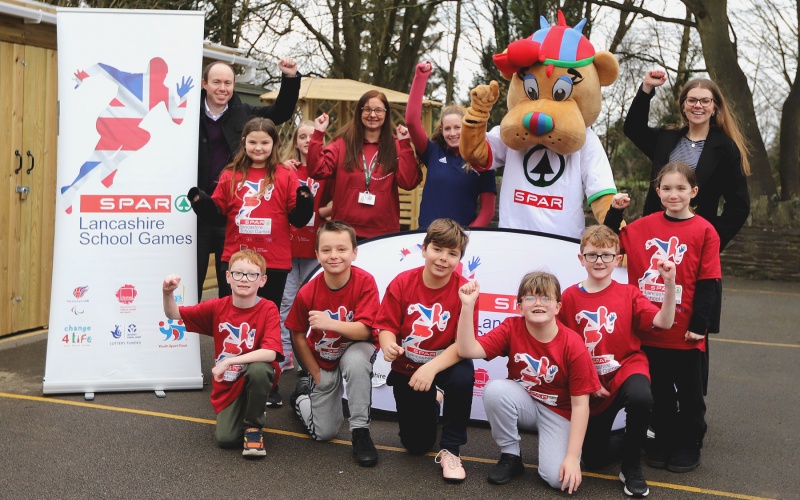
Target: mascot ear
{"points": [[607, 67]]}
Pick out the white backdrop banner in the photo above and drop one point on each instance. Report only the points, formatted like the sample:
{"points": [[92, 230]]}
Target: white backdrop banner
{"points": [[128, 89], [498, 259]]}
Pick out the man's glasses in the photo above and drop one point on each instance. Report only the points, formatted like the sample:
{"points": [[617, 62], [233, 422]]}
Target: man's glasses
{"points": [[705, 101], [239, 276], [605, 257], [377, 111]]}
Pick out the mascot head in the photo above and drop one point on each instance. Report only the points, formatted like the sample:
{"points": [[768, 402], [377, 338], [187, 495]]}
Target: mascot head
{"points": [[554, 94]]}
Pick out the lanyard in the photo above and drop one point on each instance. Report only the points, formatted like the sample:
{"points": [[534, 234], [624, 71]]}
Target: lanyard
{"points": [[368, 170]]}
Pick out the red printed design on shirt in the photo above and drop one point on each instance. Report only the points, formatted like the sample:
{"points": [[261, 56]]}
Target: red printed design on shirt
{"points": [[331, 345], [597, 322], [237, 336], [535, 373], [650, 283], [422, 329]]}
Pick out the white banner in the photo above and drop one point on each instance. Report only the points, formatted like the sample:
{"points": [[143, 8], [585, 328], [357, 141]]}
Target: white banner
{"points": [[129, 91], [498, 259]]}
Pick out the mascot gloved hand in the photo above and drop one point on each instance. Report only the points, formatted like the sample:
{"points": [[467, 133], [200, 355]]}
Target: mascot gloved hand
{"points": [[553, 159]]}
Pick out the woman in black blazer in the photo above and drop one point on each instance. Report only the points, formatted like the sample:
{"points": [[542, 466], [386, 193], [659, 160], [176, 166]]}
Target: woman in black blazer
{"points": [[721, 167], [711, 143]]}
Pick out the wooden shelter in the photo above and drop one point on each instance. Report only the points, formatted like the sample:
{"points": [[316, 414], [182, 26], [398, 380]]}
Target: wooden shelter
{"points": [[337, 98]]}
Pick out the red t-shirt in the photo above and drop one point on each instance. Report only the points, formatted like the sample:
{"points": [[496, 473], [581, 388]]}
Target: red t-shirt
{"points": [[551, 373], [693, 245], [356, 301], [304, 239], [236, 331], [368, 220], [424, 320], [258, 222], [606, 321]]}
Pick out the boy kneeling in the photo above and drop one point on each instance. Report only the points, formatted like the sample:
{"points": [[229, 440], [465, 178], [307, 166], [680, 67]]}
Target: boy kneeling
{"points": [[247, 347]]}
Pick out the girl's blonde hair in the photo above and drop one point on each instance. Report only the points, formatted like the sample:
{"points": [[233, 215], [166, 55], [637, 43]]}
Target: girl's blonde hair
{"points": [[241, 162], [290, 151]]}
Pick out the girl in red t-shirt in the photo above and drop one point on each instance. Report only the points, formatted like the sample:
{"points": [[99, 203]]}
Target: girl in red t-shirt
{"points": [[258, 200], [675, 355], [550, 378], [303, 239]]}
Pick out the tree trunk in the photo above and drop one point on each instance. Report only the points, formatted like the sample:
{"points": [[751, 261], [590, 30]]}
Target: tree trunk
{"points": [[723, 66], [451, 74], [789, 163]]}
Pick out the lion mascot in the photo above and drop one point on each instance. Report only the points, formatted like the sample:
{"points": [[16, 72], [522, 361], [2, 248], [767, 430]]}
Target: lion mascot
{"points": [[553, 159]]}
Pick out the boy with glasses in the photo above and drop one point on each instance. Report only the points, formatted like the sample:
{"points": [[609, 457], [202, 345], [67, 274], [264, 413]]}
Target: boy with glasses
{"points": [[606, 314], [247, 348]]}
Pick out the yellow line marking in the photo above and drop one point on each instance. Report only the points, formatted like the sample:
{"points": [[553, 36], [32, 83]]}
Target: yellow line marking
{"points": [[83, 404], [763, 292], [753, 342]]}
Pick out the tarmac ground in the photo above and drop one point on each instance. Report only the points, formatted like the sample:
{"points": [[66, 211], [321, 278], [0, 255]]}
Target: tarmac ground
{"points": [[135, 445]]}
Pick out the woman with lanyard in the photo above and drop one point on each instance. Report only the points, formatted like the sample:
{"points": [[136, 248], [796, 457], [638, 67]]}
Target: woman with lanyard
{"points": [[710, 142], [368, 166]]}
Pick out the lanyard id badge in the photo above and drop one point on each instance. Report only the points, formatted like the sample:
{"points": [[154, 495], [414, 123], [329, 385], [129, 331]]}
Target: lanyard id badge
{"points": [[365, 197]]}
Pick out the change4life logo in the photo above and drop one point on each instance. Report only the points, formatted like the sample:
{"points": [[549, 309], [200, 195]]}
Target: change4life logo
{"points": [[122, 334], [126, 294], [77, 336]]}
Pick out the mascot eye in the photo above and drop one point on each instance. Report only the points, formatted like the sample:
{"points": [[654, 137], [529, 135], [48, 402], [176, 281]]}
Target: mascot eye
{"points": [[531, 86], [562, 89]]}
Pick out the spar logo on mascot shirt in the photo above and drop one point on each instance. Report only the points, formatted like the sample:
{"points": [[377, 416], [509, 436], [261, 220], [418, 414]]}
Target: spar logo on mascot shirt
{"points": [[553, 160]]}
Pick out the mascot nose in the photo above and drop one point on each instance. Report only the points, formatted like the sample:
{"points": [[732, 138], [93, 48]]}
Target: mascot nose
{"points": [[538, 123]]}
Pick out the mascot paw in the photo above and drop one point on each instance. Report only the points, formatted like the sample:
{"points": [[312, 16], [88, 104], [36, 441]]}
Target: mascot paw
{"points": [[484, 97]]}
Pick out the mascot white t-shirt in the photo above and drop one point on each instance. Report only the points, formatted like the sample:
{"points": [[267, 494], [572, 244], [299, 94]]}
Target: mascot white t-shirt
{"points": [[544, 191]]}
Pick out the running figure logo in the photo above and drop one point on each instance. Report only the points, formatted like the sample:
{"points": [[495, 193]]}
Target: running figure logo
{"points": [[119, 123], [329, 345], [422, 330], [596, 321], [664, 250], [535, 373], [237, 336]]}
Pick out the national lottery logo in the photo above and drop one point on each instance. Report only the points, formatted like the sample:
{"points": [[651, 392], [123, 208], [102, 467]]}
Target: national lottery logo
{"points": [[172, 329], [126, 294], [117, 332], [80, 291]]}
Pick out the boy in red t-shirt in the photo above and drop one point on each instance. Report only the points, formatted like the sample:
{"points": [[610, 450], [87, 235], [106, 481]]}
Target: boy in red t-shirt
{"points": [[247, 348], [417, 325], [608, 314], [550, 377], [331, 324]]}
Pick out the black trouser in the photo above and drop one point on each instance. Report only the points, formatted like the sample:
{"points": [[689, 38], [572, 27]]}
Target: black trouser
{"points": [[634, 395], [679, 409], [211, 239], [418, 412]]}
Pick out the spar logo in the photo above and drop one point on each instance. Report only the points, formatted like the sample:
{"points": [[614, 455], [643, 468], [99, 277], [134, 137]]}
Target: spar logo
{"points": [[481, 379], [126, 203], [126, 294]]}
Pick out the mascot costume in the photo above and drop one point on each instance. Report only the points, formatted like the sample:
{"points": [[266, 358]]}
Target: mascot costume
{"points": [[553, 159]]}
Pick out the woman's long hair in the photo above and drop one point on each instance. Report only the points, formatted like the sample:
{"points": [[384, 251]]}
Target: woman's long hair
{"points": [[353, 136], [723, 117], [241, 162]]}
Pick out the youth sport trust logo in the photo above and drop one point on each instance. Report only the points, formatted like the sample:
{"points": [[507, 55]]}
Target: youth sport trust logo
{"points": [[172, 330], [535, 373], [427, 319], [327, 346]]}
